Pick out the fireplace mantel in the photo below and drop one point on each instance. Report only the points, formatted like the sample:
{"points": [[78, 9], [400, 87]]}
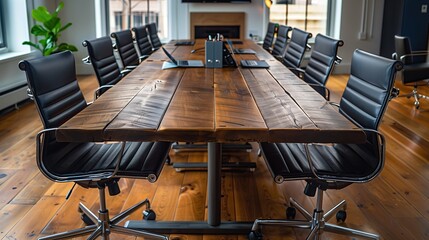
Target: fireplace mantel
{"points": [[218, 19]]}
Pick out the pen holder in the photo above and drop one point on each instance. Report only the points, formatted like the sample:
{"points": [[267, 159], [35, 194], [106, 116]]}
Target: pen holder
{"points": [[214, 54]]}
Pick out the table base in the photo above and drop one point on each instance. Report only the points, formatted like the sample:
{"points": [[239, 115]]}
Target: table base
{"points": [[191, 227]]}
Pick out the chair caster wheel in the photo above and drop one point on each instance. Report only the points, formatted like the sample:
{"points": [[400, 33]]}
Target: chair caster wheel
{"points": [[149, 214], [253, 235], [341, 216], [290, 213], [86, 219]]}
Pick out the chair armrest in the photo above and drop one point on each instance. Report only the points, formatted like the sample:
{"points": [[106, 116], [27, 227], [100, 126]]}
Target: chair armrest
{"points": [[132, 67], [89, 177], [323, 90], [414, 54], [299, 72], [97, 93], [338, 59], [86, 60], [377, 170], [143, 57], [125, 72]]}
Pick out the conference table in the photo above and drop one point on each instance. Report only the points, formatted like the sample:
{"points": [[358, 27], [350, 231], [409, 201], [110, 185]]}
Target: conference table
{"points": [[214, 105]]}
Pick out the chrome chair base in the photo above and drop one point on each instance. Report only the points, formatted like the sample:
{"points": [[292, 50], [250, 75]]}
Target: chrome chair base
{"points": [[316, 222], [417, 96], [103, 225]]}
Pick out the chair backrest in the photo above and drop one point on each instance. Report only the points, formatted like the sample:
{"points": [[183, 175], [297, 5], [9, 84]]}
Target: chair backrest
{"points": [[142, 39], [322, 59], [125, 45], [403, 47], [281, 40], [52, 82], [295, 50], [153, 35], [103, 60], [369, 88], [269, 37]]}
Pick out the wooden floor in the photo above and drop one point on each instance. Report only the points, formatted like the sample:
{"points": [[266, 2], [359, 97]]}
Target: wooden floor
{"points": [[394, 205]]}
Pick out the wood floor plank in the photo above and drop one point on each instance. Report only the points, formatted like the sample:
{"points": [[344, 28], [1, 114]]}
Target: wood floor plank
{"points": [[10, 215], [30, 227]]}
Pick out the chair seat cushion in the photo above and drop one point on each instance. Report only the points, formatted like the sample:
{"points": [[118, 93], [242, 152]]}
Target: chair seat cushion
{"points": [[77, 160], [289, 160], [416, 72]]}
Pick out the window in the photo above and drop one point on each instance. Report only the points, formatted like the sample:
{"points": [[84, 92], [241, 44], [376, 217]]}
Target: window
{"points": [[118, 21], [309, 15], [138, 19], [2, 36], [125, 14]]}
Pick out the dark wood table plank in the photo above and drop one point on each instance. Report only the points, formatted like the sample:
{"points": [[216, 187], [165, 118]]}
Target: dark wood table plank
{"points": [[190, 116], [236, 111], [140, 118]]}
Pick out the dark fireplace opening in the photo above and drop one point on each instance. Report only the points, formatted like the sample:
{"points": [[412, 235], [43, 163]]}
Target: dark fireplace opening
{"points": [[232, 32]]}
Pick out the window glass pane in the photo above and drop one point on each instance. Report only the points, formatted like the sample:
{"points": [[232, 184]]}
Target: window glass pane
{"points": [[137, 19], [118, 21], [2, 42], [125, 14], [309, 15]]}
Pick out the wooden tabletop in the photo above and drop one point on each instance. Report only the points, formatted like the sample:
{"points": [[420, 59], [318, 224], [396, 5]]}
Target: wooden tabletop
{"points": [[211, 105]]}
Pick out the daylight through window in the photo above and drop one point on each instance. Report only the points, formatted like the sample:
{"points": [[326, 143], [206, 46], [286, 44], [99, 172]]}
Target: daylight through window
{"points": [[126, 14]]}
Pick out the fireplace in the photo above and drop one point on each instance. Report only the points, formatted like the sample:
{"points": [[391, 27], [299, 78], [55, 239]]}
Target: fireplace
{"points": [[230, 32], [230, 25]]}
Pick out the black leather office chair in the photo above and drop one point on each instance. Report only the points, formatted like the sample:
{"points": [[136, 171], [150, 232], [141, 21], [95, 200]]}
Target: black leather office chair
{"points": [[103, 61], [142, 39], [281, 41], [335, 166], [124, 43], [322, 60], [54, 88], [153, 36], [415, 73], [269, 36], [296, 48]]}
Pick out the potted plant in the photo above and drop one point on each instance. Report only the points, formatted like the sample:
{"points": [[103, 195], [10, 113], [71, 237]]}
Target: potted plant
{"points": [[48, 31]]}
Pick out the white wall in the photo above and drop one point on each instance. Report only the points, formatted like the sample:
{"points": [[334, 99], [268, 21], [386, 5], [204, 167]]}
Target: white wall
{"points": [[81, 13], [358, 33]]}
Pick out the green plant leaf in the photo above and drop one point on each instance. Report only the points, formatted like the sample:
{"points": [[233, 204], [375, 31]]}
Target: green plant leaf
{"points": [[60, 6], [65, 27], [49, 30], [52, 23], [65, 46], [32, 44], [48, 51], [41, 14], [38, 30]]}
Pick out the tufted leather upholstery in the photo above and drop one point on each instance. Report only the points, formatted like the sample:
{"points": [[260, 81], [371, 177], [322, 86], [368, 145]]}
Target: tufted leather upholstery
{"points": [[127, 51], [364, 102], [295, 50], [57, 95], [321, 63], [142, 39], [281, 41], [103, 61], [153, 35], [269, 36]]}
